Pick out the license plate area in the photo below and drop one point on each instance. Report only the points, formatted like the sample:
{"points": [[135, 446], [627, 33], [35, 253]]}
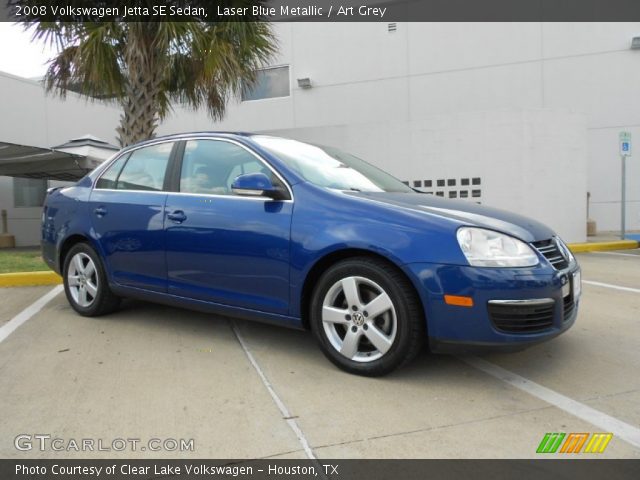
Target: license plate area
{"points": [[576, 281], [573, 287]]}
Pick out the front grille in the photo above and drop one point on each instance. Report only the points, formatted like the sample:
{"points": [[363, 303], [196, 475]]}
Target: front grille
{"points": [[550, 250], [523, 318], [568, 306]]}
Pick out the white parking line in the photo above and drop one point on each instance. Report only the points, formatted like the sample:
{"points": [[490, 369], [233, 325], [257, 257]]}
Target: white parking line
{"points": [[9, 327], [607, 423], [277, 400], [617, 254], [615, 287]]}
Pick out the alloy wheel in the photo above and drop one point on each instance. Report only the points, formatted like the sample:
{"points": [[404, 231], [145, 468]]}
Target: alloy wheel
{"points": [[359, 319], [82, 279]]}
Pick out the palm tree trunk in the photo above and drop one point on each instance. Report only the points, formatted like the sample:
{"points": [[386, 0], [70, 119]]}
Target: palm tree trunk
{"points": [[140, 105]]}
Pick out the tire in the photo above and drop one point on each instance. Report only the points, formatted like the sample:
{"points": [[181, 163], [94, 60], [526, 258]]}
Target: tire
{"points": [[85, 282], [355, 339]]}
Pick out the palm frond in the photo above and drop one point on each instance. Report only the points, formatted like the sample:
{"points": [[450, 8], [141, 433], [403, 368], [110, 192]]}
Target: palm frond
{"points": [[202, 65]]}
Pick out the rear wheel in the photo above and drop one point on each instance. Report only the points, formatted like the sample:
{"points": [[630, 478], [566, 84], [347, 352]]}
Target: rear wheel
{"points": [[85, 282], [366, 317]]}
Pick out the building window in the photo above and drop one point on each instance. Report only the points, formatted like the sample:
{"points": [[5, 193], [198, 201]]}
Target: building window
{"points": [[270, 83], [29, 192]]}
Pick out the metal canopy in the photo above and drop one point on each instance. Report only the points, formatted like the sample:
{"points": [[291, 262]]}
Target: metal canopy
{"points": [[68, 162]]}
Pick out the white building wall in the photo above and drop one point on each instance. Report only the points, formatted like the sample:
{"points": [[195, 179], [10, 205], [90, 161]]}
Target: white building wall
{"points": [[362, 73], [29, 117]]}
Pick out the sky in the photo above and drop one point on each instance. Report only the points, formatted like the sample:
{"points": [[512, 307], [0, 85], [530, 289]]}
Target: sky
{"points": [[21, 56]]}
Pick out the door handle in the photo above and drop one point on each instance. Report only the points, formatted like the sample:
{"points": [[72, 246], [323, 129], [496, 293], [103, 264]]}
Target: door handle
{"points": [[100, 211], [177, 216]]}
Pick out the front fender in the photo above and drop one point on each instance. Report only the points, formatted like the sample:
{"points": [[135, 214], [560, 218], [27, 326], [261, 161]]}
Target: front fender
{"points": [[325, 222]]}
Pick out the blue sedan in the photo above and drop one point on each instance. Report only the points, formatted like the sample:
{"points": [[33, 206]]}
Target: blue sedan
{"points": [[307, 236]]}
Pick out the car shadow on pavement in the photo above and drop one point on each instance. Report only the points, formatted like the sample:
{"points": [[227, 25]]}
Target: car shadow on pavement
{"points": [[296, 347]]}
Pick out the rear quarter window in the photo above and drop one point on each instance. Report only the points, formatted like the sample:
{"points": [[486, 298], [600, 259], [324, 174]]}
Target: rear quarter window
{"points": [[146, 168], [142, 169], [108, 179]]}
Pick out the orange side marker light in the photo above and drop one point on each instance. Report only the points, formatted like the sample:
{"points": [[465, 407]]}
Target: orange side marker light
{"points": [[458, 301]]}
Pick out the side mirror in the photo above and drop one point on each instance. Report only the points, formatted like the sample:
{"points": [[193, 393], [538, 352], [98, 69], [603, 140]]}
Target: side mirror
{"points": [[257, 185]]}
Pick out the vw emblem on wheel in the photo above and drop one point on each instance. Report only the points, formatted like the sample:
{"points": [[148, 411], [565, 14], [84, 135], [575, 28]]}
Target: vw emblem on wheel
{"points": [[358, 319]]}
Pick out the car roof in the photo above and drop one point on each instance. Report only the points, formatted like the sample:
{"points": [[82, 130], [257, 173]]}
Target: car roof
{"points": [[186, 135]]}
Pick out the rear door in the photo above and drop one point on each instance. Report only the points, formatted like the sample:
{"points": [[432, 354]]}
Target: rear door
{"points": [[127, 212], [222, 247]]}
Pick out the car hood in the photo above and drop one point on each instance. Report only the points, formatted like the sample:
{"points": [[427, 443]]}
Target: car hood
{"points": [[464, 212]]}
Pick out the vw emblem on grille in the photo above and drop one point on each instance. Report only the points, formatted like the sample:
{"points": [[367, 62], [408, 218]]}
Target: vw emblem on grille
{"points": [[563, 280]]}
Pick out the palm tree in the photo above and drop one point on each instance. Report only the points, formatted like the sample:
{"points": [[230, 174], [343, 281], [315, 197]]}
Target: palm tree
{"points": [[145, 67]]}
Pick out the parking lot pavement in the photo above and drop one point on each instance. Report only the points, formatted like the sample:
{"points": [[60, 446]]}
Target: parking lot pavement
{"points": [[618, 268], [144, 372], [151, 371], [14, 300]]}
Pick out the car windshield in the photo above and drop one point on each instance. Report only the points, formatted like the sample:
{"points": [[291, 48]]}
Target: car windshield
{"points": [[330, 167]]}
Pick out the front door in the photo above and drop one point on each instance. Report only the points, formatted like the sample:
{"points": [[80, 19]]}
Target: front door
{"points": [[222, 247]]}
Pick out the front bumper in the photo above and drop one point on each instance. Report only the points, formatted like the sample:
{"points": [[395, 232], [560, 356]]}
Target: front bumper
{"points": [[469, 329]]}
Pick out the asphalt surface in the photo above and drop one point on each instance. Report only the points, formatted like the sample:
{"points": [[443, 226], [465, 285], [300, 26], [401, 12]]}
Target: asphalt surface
{"points": [[246, 390]]}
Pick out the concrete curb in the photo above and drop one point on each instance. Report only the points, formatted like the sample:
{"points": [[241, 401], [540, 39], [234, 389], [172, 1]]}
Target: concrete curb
{"points": [[603, 246], [23, 279]]}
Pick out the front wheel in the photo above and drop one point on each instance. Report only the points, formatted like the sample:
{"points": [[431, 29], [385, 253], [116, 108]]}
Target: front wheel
{"points": [[85, 282], [366, 317]]}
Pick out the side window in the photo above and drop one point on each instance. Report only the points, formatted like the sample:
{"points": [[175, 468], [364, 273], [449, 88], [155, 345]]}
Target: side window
{"points": [[110, 176], [248, 167], [211, 166], [145, 169]]}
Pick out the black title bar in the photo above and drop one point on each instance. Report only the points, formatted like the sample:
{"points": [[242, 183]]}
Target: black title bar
{"points": [[321, 11], [570, 469]]}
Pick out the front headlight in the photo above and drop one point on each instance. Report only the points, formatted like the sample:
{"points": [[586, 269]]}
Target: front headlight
{"points": [[486, 248]]}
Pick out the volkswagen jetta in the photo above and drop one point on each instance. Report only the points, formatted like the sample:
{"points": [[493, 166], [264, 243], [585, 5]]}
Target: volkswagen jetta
{"points": [[280, 231]]}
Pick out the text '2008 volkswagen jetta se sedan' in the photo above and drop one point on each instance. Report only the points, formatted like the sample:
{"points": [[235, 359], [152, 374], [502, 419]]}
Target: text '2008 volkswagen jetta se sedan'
{"points": [[307, 236]]}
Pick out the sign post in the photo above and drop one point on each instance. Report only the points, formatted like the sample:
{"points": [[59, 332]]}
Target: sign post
{"points": [[625, 151]]}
